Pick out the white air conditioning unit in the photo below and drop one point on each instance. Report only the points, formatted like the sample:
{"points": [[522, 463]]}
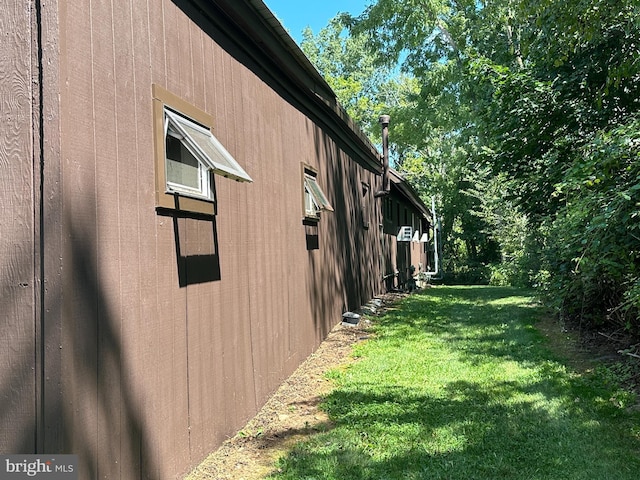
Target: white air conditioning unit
{"points": [[405, 234]]}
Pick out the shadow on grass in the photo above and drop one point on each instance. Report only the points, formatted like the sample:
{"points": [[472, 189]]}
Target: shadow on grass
{"points": [[463, 438], [541, 423]]}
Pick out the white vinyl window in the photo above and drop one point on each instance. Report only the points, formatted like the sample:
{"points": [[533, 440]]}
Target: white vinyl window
{"points": [[192, 154], [314, 198]]}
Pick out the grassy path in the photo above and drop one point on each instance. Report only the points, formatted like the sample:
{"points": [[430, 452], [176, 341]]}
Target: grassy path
{"points": [[458, 384]]}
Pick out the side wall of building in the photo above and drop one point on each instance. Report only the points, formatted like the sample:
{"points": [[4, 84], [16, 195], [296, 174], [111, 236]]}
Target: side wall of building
{"points": [[173, 330], [29, 219]]}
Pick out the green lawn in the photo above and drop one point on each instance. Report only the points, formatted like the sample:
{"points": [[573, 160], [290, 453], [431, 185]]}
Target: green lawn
{"points": [[457, 383]]}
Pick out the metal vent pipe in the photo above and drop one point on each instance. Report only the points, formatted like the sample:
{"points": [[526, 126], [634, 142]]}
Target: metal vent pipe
{"points": [[384, 123]]}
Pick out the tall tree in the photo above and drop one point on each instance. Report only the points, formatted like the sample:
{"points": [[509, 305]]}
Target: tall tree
{"points": [[421, 138], [365, 89], [543, 93], [438, 43]]}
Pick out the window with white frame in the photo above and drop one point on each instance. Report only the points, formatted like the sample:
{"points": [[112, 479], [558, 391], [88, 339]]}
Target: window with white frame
{"points": [[314, 198], [186, 174], [188, 155]]}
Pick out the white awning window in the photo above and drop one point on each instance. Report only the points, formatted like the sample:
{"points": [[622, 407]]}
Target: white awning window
{"points": [[315, 199], [204, 146]]}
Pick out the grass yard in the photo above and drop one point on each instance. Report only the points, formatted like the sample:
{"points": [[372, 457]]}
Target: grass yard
{"points": [[457, 383]]}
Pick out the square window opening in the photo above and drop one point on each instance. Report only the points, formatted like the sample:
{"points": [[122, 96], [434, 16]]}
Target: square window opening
{"points": [[188, 155]]}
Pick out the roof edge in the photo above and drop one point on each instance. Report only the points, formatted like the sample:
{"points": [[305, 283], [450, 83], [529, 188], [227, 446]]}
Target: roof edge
{"points": [[255, 30]]}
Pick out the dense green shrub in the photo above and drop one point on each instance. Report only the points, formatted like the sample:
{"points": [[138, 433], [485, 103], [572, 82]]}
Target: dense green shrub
{"points": [[470, 273], [593, 243]]}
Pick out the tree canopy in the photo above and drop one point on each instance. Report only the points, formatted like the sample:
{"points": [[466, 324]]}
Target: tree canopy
{"points": [[522, 116]]}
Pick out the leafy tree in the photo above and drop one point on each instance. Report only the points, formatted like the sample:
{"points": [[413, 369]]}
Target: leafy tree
{"points": [[522, 117], [438, 43], [572, 86], [364, 89], [594, 240], [563, 129], [533, 104]]}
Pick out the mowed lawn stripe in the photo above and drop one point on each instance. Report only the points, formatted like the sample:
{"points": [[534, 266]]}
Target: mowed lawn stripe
{"points": [[458, 383]]}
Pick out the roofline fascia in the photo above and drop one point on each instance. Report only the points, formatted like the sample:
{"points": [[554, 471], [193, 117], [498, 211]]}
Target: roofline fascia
{"points": [[253, 28]]}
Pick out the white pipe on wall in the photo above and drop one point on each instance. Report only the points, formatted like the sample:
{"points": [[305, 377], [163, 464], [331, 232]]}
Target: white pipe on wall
{"points": [[436, 232]]}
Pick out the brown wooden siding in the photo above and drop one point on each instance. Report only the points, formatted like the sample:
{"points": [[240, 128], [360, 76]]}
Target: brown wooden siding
{"points": [[160, 365], [18, 301], [138, 338], [30, 395]]}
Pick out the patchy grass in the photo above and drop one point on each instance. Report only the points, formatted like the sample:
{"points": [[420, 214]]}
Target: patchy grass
{"points": [[458, 383]]}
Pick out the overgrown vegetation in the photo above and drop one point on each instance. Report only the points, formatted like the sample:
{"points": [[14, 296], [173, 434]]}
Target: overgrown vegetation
{"points": [[458, 383], [523, 118]]}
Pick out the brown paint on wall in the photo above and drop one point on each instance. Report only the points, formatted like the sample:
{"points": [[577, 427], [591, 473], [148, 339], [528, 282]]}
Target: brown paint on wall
{"points": [[147, 336], [18, 375]]}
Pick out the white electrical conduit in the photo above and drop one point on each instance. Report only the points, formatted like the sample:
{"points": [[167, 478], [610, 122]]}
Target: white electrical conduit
{"points": [[436, 230]]}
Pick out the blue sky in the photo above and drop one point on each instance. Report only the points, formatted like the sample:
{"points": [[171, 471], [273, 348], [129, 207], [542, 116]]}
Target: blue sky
{"points": [[295, 15]]}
